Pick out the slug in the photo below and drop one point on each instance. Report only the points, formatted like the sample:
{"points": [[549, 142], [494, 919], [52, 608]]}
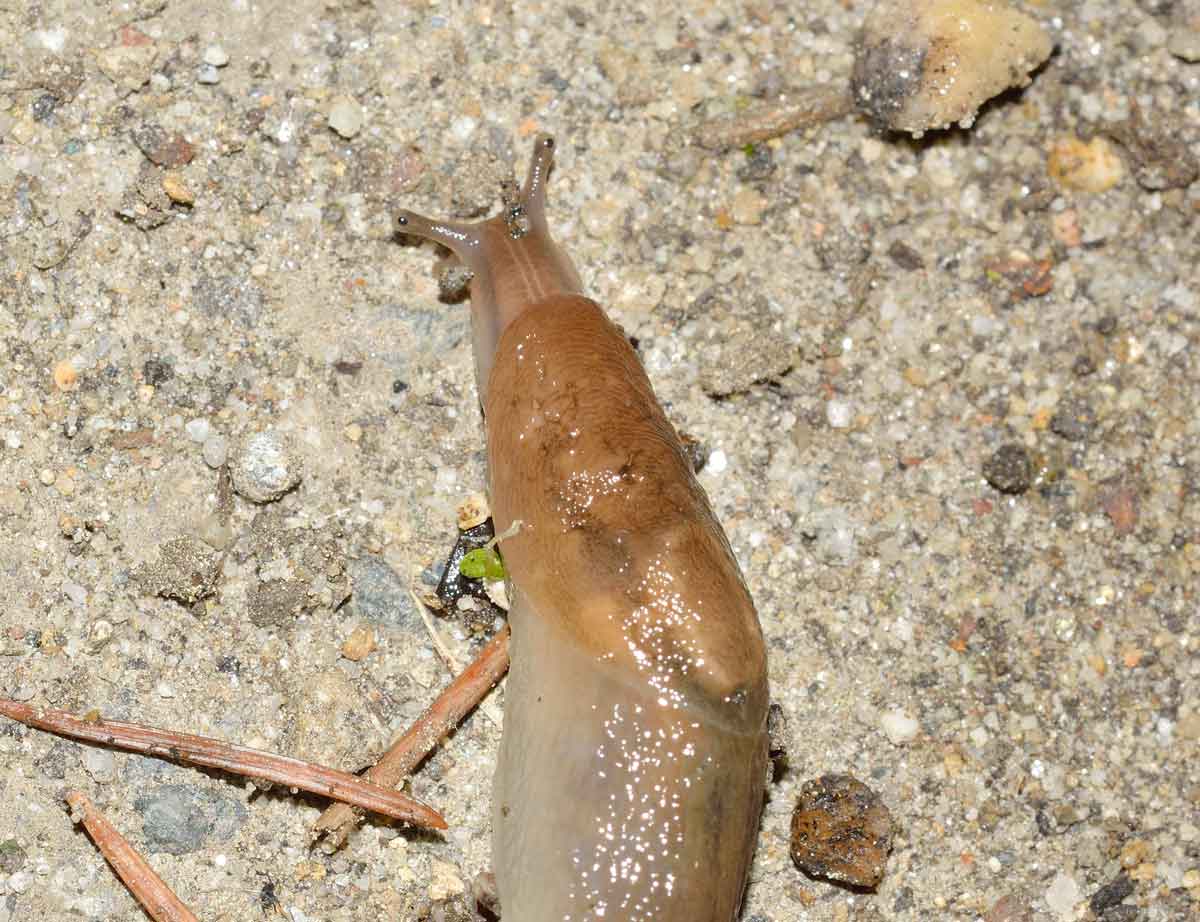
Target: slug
{"points": [[633, 758]]}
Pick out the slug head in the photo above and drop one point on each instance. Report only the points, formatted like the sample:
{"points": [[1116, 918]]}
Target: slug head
{"points": [[513, 260]]}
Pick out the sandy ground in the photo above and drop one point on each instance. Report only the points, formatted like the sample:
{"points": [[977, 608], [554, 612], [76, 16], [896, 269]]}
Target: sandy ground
{"points": [[195, 247]]}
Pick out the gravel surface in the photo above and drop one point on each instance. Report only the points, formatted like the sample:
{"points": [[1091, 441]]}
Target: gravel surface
{"points": [[947, 389]]}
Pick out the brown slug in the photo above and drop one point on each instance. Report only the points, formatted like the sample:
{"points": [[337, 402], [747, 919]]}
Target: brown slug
{"points": [[633, 760]]}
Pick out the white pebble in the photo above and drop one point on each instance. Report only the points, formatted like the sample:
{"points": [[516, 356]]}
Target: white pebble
{"points": [[101, 764], [197, 429], [839, 413], [207, 74], [215, 451], [53, 40], [899, 727], [215, 56], [265, 467], [346, 117], [20, 881], [463, 127], [1063, 895], [717, 462]]}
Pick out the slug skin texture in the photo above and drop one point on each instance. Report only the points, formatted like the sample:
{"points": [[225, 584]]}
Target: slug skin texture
{"points": [[633, 761]]}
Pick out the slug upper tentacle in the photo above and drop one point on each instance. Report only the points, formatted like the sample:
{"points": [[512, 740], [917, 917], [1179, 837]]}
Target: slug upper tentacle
{"points": [[631, 771], [513, 261]]}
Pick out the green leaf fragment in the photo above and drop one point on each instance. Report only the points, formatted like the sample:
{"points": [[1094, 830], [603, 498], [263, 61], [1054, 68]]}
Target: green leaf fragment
{"points": [[481, 563]]}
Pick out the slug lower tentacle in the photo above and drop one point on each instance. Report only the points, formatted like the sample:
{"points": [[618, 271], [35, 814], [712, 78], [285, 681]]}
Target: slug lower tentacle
{"points": [[632, 766]]}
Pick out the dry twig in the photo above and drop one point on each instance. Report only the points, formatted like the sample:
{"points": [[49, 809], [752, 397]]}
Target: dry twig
{"points": [[135, 872], [240, 760], [408, 751], [810, 106]]}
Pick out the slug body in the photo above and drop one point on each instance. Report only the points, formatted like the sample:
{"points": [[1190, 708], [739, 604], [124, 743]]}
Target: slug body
{"points": [[633, 760]]}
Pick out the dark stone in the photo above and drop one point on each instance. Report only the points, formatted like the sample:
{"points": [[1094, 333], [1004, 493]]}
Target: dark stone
{"points": [[178, 819], [156, 371], [905, 256], [1009, 469], [161, 149], [380, 595], [43, 107], [1074, 420], [1111, 894]]}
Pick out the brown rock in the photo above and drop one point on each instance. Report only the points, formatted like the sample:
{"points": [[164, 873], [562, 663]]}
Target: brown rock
{"points": [[841, 831]]}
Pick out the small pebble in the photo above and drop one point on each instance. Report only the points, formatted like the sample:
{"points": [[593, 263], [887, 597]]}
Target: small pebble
{"points": [[73, 591], [841, 831], [472, 511], [215, 56], [166, 150], [359, 644], [463, 127], [839, 413], [444, 881], [381, 596], [1009, 469], [718, 462], [1092, 166], [1111, 894], [99, 633], [208, 75], [177, 190], [179, 819], [197, 429], [128, 66], [346, 116], [1073, 420], [101, 764], [215, 451], [1183, 39], [265, 467], [898, 727], [65, 375], [1063, 895], [20, 881], [47, 477]]}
